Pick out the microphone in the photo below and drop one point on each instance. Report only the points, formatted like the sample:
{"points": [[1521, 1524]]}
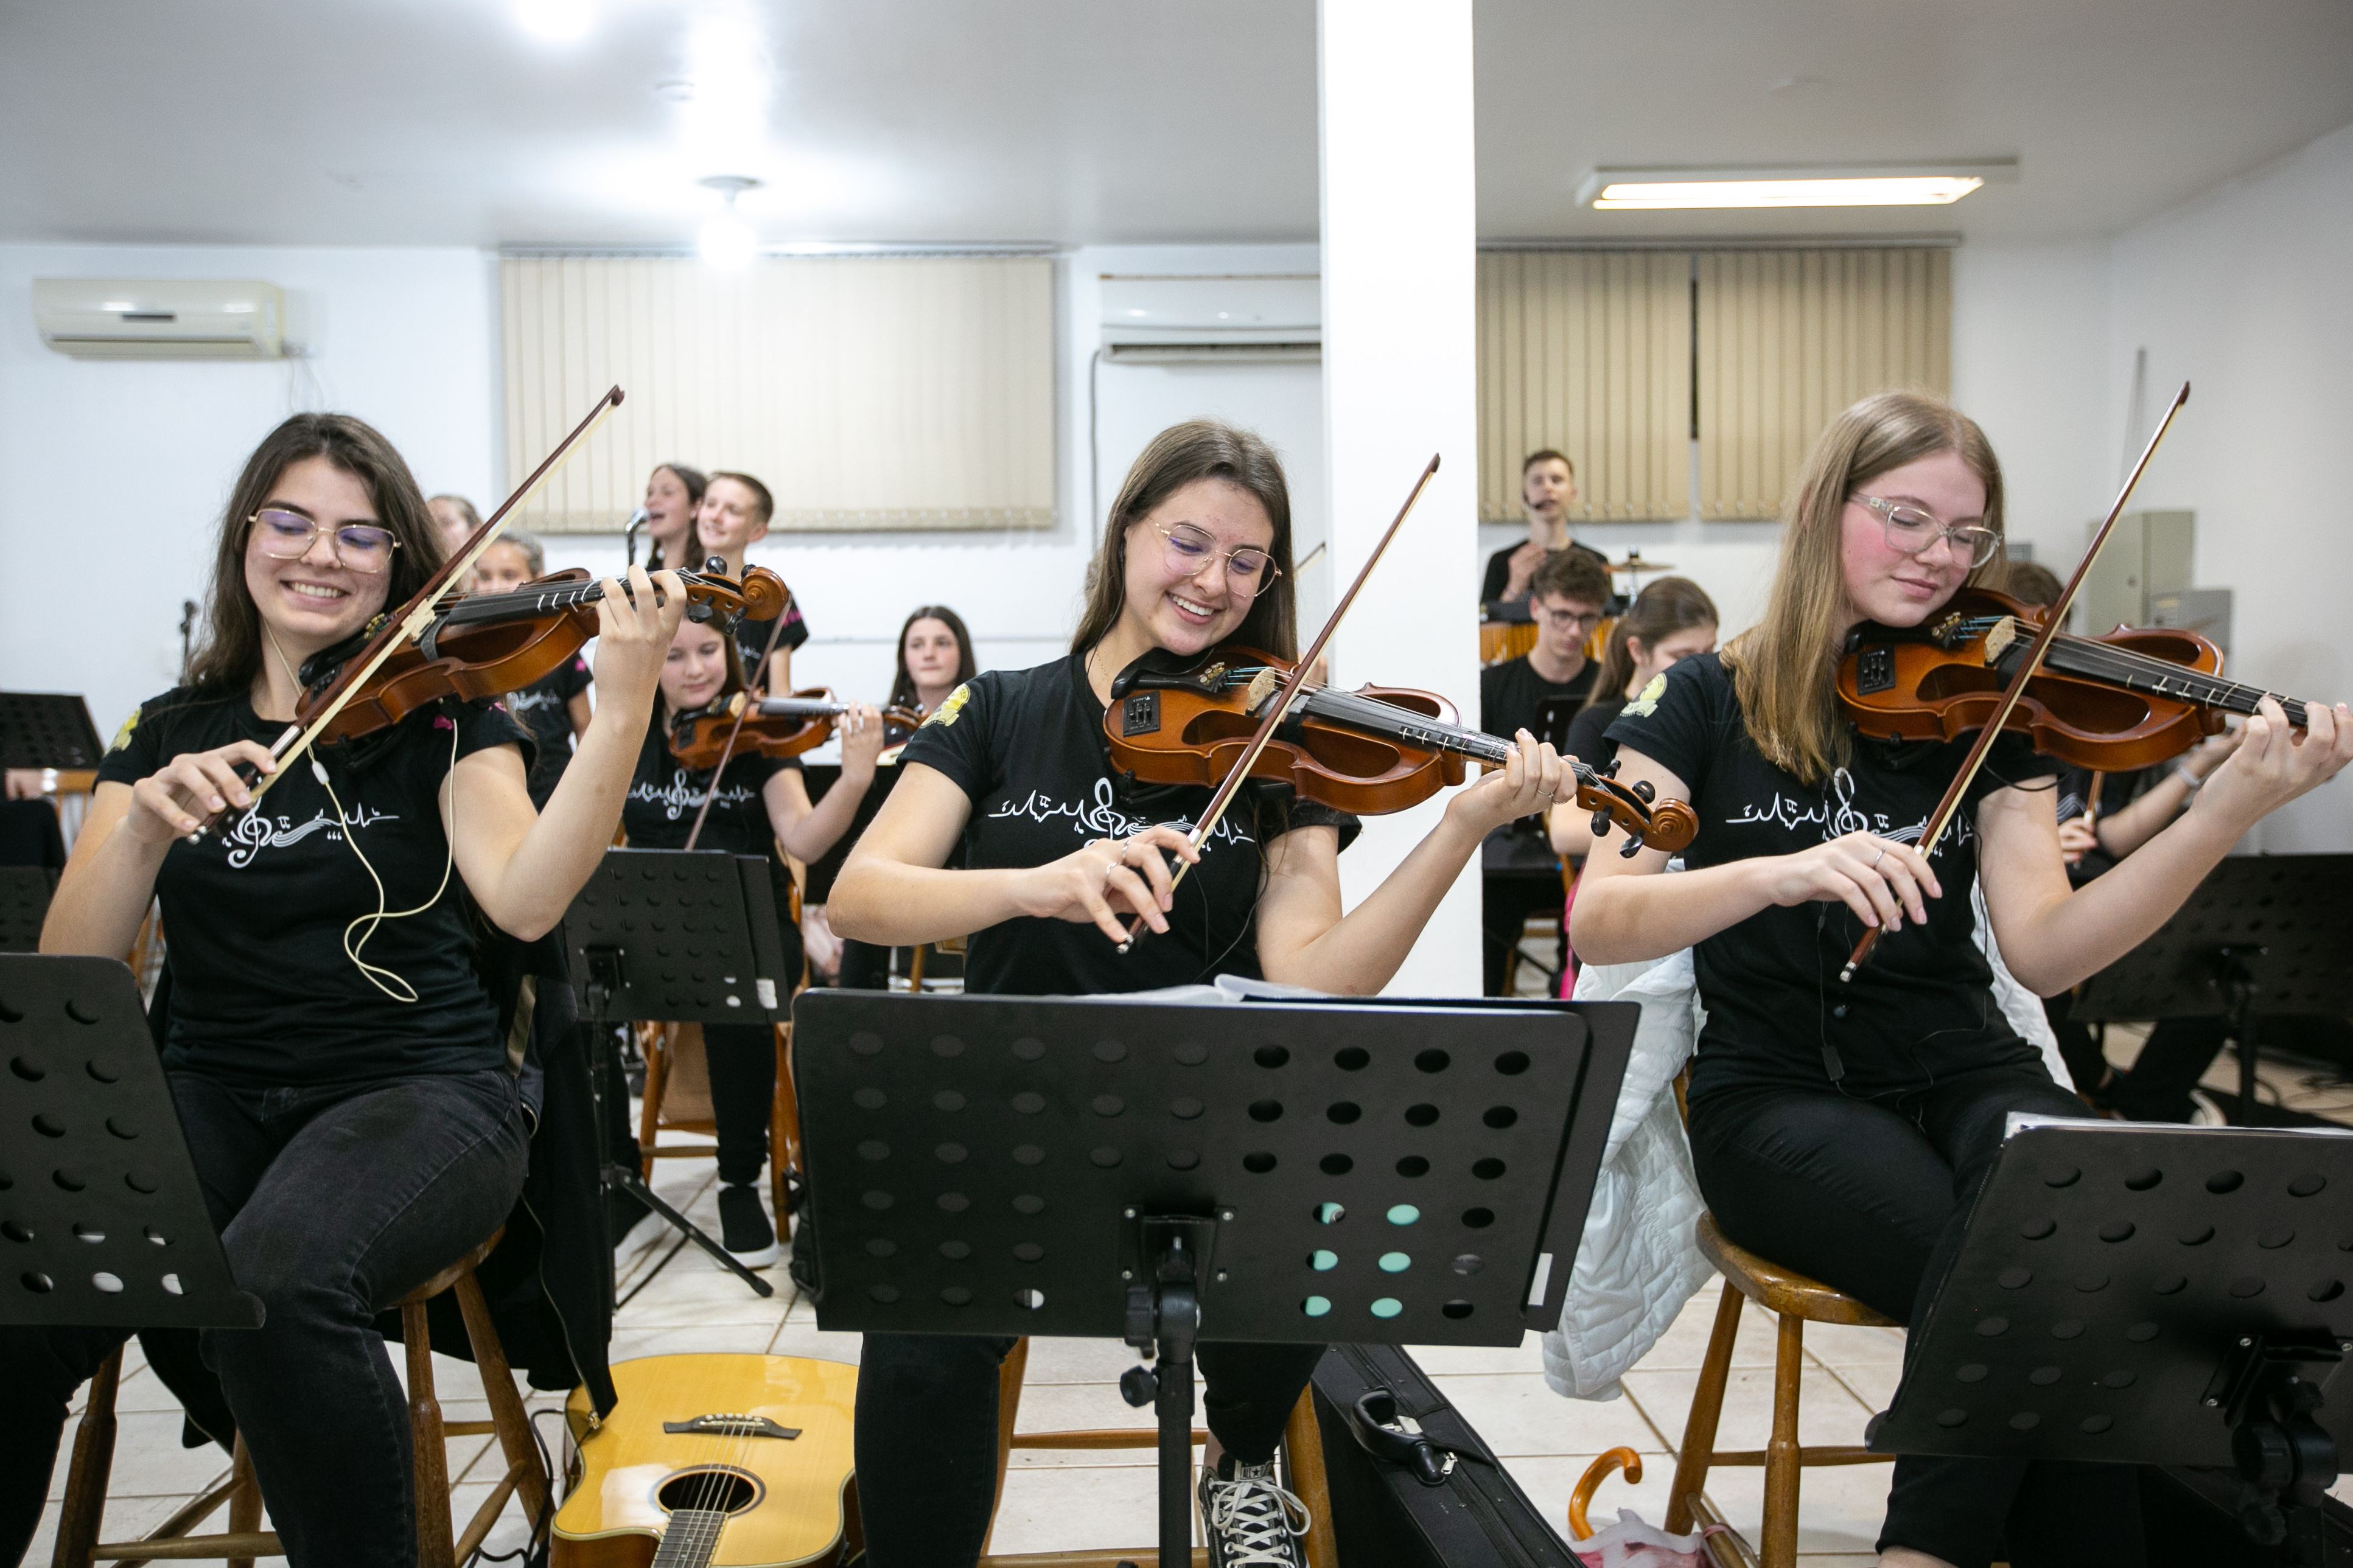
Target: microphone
{"points": [[637, 520]]}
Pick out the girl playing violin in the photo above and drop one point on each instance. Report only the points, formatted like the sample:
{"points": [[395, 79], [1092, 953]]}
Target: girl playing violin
{"points": [[1010, 774], [555, 706], [735, 516], [673, 496], [1842, 1129], [352, 1109], [757, 804]]}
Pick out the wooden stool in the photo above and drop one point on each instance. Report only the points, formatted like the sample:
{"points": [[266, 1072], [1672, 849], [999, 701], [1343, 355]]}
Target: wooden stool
{"points": [[1798, 1302], [93, 1455], [1302, 1439]]}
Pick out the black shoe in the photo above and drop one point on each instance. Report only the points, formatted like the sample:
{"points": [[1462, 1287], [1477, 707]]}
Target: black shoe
{"points": [[1250, 1520], [744, 1227]]}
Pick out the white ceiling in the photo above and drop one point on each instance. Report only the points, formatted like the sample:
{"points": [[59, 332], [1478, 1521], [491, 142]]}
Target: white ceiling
{"points": [[445, 121]]}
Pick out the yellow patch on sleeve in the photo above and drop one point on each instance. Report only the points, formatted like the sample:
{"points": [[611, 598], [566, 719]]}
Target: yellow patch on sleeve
{"points": [[1647, 703], [122, 736], [950, 706]]}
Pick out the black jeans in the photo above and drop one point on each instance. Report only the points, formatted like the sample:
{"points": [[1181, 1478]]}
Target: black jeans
{"points": [[926, 1432], [742, 1059], [332, 1203], [1504, 905], [864, 966], [1873, 1197]]}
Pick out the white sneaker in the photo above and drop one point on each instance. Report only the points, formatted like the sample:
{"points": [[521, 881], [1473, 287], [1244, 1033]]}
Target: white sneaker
{"points": [[2204, 1112], [1250, 1521]]}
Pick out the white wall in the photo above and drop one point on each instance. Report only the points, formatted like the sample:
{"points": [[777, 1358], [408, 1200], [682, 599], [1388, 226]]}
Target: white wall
{"points": [[120, 470]]}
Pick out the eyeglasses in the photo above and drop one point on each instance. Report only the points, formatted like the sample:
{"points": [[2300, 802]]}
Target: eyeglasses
{"points": [[1912, 531], [1189, 550], [1570, 620], [288, 535]]}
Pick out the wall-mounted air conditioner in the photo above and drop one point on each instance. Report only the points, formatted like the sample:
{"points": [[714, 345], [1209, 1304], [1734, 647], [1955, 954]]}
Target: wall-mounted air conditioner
{"points": [[1178, 321], [142, 318]]}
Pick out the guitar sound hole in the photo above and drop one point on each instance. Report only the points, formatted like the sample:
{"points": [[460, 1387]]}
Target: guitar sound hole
{"points": [[710, 1489]]}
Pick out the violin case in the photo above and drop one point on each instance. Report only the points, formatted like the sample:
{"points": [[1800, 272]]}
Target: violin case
{"points": [[1384, 1514]]}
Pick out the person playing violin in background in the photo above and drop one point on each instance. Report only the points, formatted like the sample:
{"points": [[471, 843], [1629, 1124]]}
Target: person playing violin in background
{"points": [[355, 1115], [1841, 1129], [455, 517], [673, 496], [1547, 489], [934, 659], [734, 515], [1670, 619], [1011, 772], [555, 706], [758, 805]]}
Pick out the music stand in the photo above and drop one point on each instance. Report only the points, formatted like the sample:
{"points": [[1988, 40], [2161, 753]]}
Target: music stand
{"points": [[683, 934], [48, 729], [1155, 1171], [23, 903], [2273, 927], [2146, 1294], [101, 1218]]}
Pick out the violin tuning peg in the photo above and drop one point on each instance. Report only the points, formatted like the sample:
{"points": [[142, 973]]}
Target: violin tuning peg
{"points": [[1632, 847], [716, 566], [1611, 770], [1601, 823], [697, 613], [1643, 792]]}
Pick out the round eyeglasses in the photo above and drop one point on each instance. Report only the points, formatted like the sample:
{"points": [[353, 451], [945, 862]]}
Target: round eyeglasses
{"points": [[288, 536], [1189, 550], [1912, 531]]}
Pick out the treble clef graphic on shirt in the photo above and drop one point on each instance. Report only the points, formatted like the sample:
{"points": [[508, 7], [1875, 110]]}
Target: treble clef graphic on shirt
{"points": [[1845, 819]]}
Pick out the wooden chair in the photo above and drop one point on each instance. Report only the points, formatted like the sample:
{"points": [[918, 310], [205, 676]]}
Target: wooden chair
{"points": [[1302, 1440], [1797, 1301], [93, 1456]]}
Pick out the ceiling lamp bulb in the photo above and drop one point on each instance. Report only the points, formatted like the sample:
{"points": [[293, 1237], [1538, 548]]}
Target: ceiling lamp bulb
{"points": [[727, 241], [557, 21]]}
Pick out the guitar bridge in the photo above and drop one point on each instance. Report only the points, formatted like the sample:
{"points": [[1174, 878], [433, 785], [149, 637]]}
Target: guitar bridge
{"points": [[733, 1426]]}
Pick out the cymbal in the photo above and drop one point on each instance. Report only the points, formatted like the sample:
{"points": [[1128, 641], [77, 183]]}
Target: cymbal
{"points": [[1634, 563]]}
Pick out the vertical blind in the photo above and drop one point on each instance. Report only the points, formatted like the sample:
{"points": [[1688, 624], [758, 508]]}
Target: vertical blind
{"points": [[866, 392], [1588, 354], [1787, 338]]}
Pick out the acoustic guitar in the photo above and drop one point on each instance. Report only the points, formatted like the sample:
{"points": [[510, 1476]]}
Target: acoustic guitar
{"points": [[715, 1461]]}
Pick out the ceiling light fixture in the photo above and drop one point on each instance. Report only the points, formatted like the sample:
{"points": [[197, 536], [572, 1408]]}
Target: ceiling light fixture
{"points": [[557, 21], [1866, 185], [727, 240]]}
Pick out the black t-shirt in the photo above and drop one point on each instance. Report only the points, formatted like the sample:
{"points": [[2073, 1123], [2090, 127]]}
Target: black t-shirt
{"points": [[1027, 747], [665, 794], [1509, 694], [751, 637], [1923, 1007], [1499, 569], [1588, 733], [2116, 791], [262, 993], [545, 707], [827, 865]]}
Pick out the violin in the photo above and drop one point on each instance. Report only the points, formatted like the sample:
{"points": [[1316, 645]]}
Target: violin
{"points": [[2130, 698], [1179, 719], [772, 726], [487, 645]]}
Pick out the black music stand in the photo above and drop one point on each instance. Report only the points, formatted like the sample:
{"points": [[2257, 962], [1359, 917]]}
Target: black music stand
{"points": [[1156, 1171], [48, 729], [683, 934], [2149, 1294], [23, 903], [101, 1218], [2261, 931]]}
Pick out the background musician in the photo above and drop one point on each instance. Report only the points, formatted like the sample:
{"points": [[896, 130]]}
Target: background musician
{"points": [[735, 516], [673, 496], [347, 1097], [555, 706], [456, 519], [1012, 773], [1841, 1129], [759, 805], [1547, 489]]}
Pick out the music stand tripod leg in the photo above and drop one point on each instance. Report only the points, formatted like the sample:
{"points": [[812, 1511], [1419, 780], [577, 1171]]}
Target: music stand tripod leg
{"points": [[1166, 1314]]}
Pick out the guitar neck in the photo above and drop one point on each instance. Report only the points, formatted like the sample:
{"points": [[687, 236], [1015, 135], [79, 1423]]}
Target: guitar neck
{"points": [[691, 1538]]}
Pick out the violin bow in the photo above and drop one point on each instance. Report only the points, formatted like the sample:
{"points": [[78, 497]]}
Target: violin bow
{"points": [[743, 710], [2052, 620], [412, 620], [1291, 686]]}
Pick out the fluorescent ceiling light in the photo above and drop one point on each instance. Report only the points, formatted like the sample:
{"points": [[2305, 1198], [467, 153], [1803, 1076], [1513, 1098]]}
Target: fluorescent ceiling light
{"points": [[727, 241], [1909, 185], [557, 21]]}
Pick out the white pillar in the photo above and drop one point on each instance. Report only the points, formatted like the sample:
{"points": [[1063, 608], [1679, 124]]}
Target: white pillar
{"points": [[1399, 383]]}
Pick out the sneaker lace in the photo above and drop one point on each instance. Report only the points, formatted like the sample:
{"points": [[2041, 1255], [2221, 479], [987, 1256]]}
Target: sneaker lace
{"points": [[1257, 1518]]}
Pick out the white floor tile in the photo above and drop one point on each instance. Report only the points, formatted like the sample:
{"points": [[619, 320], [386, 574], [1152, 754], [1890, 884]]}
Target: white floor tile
{"points": [[1827, 1412], [1517, 1413], [1062, 1507]]}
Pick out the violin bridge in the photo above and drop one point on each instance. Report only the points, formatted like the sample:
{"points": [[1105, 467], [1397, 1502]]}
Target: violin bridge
{"points": [[1997, 640], [1262, 686]]}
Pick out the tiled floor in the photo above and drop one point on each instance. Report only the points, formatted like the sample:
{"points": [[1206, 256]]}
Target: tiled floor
{"points": [[1076, 1499]]}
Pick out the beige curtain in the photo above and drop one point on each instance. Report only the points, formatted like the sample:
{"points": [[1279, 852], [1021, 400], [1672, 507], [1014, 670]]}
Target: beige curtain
{"points": [[1787, 338], [1588, 354], [867, 392]]}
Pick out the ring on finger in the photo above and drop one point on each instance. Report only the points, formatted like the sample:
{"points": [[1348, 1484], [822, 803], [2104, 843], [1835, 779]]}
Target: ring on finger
{"points": [[1875, 860]]}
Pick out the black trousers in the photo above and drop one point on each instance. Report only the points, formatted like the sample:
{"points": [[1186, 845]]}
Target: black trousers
{"points": [[743, 1062], [926, 1432], [1873, 1197], [864, 966], [1504, 905]]}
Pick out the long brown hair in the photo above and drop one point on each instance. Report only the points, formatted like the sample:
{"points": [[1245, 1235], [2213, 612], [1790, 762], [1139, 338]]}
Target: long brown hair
{"points": [[1670, 605], [1197, 449], [695, 483], [230, 654], [902, 689], [1783, 667]]}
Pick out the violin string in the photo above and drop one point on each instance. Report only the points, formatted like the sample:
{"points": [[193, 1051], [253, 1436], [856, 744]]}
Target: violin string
{"points": [[2144, 671]]}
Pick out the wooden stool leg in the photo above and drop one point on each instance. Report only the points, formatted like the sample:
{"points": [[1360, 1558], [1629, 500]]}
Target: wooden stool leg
{"points": [[1009, 1373], [784, 1130], [92, 1467], [1780, 1533], [244, 1499], [507, 1414], [1302, 1440], [1706, 1409], [435, 1546], [655, 1043]]}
